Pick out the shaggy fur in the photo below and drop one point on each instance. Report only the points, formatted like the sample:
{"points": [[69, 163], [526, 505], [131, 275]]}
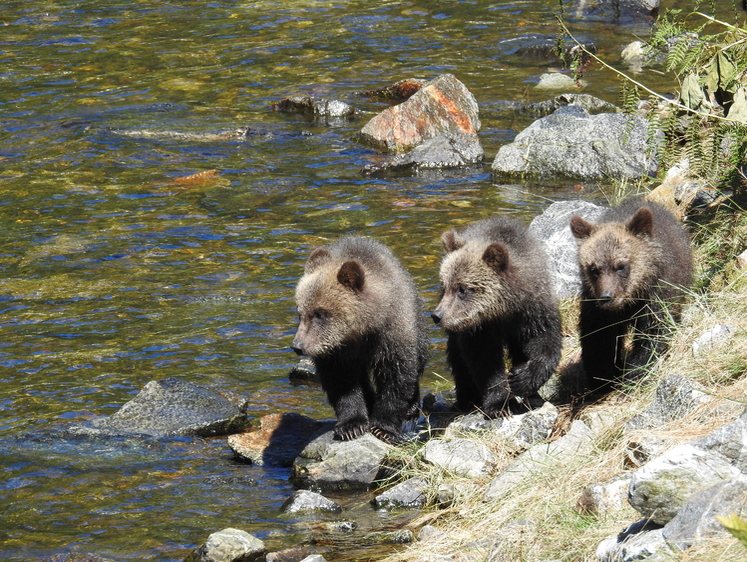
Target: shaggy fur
{"points": [[635, 264], [497, 299], [359, 312]]}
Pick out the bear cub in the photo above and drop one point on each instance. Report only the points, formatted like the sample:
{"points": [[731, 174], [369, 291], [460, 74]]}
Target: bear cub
{"points": [[497, 300], [635, 264], [360, 313]]}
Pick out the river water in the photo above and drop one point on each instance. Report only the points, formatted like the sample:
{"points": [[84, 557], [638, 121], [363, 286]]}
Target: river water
{"points": [[118, 266]]}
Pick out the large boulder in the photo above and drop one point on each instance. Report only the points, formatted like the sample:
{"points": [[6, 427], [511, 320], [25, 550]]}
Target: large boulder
{"points": [[171, 407], [444, 105], [229, 545], [572, 143], [553, 227]]}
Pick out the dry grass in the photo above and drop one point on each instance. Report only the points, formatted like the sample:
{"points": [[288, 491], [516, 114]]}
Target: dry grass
{"points": [[538, 519]]}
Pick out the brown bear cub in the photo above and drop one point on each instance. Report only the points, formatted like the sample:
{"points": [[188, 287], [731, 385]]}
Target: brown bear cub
{"points": [[497, 299], [360, 312], [635, 264]]}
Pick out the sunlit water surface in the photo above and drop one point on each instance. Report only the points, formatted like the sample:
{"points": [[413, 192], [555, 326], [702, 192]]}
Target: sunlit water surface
{"points": [[115, 270]]}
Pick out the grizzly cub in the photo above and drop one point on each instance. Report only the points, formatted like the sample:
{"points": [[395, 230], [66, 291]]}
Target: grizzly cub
{"points": [[497, 299], [635, 264], [360, 312]]}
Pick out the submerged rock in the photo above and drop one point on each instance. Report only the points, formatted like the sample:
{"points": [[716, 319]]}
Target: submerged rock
{"points": [[316, 106], [397, 92], [589, 103], [444, 105], [175, 407]]}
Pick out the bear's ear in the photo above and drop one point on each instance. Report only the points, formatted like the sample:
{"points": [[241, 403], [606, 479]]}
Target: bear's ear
{"points": [[451, 242], [351, 276], [642, 223], [580, 228], [496, 256], [317, 257]]}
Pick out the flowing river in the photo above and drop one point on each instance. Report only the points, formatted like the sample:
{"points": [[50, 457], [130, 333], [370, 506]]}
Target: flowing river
{"points": [[119, 266]]}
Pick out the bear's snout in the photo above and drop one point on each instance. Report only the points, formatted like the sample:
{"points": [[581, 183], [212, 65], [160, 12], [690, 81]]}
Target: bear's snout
{"points": [[436, 316]]}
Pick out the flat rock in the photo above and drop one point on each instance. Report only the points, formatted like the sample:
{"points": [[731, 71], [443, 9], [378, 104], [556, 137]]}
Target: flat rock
{"points": [[339, 465], [305, 500], [279, 439], [464, 457], [405, 494], [172, 407]]}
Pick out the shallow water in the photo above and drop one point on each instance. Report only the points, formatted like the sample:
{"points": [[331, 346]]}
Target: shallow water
{"points": [[119, 266]]}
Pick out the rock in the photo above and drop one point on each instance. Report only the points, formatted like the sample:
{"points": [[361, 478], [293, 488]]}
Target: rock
{"points": [[304, 371], [279, 439], [543, 48], [676, 396], [463, 457], [558, 81], [430, 533], [298, 553], [317, 106], [634, 55], [553, 227], [520, 431], [449, 150], [443, 105], [615, 11], [229, 545], [696, 520], [649, 546], [646, 447], [742, 260], [403, 536], [589, 103], [171, 407], [712, 339], [661, 487], [577, 442], [602, 497], [314, 558], [405, 494], [571, 143], [397, 92], [304, 500], [339, 465]]}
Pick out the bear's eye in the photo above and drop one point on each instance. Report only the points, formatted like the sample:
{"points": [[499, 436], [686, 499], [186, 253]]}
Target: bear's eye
{"points": [[621, 268], [593, 271], [463, 291], [320, 315]]}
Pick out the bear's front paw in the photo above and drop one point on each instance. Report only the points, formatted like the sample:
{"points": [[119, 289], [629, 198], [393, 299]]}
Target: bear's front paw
{"points": [[385, 435], [350, 430]]}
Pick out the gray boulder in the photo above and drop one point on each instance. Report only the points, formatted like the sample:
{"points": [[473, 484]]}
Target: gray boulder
{"points": [[229, 545], [662, 486], [696, 519], [675, 397], [553, 227], [339, 465], [649, 546], [405, 494], [171, 407], [571, 143]]}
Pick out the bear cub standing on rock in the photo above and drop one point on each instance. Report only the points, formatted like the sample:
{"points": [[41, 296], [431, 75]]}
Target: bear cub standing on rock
{"points": [[359, 312], [635, 264], [497, 297]]}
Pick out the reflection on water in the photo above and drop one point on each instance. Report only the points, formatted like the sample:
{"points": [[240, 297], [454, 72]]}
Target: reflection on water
{"points": [[155, 215]]}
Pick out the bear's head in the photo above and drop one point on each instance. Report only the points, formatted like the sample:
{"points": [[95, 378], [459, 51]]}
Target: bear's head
{"points": [[475, 281], [329, 298], [617, 259]]}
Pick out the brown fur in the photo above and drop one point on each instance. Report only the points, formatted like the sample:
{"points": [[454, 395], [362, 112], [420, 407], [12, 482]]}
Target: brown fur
{"points": [[360, 313], [497, 299], [634, 265]]}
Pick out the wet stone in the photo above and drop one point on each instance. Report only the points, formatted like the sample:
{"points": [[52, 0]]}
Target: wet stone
{"points": [[304, 500], [405, 494]]}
